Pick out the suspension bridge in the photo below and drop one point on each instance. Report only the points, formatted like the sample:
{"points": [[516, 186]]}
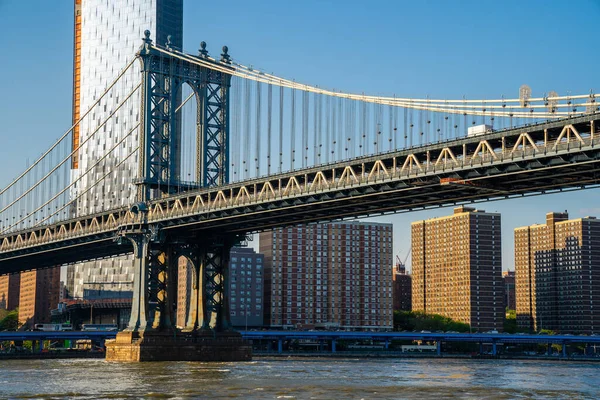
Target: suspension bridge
{"points": [[220, 150]]}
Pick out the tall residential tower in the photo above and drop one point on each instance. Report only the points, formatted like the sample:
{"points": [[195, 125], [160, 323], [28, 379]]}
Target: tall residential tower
{"points": [[557, 268], [457, 268], [334, 274]]}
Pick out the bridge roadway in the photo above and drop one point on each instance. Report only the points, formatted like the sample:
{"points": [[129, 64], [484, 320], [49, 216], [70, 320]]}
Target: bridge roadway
{"points": [[530, 160], [493, 339]]}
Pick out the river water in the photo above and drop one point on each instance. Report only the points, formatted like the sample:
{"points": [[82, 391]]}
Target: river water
{"points": [[301, 379]]}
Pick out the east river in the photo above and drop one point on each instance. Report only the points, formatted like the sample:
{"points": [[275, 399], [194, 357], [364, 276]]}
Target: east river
{"points": [[301, 379]]}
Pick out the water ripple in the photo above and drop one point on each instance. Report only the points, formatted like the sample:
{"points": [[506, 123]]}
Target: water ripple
{"points": [[300, 379]]}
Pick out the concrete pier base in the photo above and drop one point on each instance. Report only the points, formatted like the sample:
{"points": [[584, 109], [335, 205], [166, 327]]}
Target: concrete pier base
{"points": [[194, 346]]}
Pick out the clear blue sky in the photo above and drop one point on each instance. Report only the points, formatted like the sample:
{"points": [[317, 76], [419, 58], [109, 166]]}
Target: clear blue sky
{"points": [[444, 49]]}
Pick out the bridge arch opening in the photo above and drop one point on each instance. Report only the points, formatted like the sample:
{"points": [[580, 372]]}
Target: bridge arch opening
{"points": [[188, 114]]}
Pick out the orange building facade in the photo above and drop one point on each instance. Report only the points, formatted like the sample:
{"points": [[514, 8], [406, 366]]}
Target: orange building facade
{"points": [[9, 291], [457, 268], [40, 291]]}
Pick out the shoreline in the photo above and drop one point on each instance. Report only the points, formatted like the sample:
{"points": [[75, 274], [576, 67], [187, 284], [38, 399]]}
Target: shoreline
{"points": [[323, 355], [50, 355], [344, 355]]}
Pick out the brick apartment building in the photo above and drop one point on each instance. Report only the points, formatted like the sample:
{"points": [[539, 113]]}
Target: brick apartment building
{"points": [[457, 268], [557, 267], [329, 274]]}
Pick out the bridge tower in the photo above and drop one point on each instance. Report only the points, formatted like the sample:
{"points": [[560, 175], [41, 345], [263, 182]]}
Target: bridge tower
{"points": [[151, 334], [163, 75]]}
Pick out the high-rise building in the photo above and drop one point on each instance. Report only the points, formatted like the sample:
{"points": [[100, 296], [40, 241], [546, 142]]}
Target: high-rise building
{"points": [[39, 294], [457, 268], [508, 278], [10, 285], [557, 270], [330, 274], [535, 245], [402, 292], [246, 287], [107, 35]]}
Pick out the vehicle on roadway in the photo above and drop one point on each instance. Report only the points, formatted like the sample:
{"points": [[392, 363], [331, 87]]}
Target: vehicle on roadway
{"points": [[99, 327], [53, 327]]}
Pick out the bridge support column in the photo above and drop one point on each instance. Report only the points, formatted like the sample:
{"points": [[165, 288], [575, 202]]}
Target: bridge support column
{"points": [[139, 308], [438, 346], [151, 335], [494, 349], [214, 275], [333, 345], [549, 349], [564, 350], [280, 346]]}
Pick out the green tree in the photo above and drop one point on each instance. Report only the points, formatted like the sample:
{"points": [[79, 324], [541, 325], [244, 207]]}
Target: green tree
{"points": [[510, 321], [419, 321], [10, 321]]}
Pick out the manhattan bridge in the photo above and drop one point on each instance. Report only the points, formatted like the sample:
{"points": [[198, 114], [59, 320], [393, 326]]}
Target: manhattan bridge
{"points": [[222, 150]]}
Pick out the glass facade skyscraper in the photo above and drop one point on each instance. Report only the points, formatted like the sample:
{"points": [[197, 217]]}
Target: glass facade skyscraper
{"points": [[107, 35]]}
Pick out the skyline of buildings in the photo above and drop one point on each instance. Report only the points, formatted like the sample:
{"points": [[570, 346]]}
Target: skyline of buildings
{"points": [[559, 271], [457, 266]]}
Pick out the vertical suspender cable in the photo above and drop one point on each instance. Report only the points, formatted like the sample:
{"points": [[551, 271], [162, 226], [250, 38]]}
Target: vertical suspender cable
{"points": [[234, 127], [421, 128], [347, 122], [269, 122], [395, 128], [405, 127], [363, 128], [368, 128], [319, 123], [390, 127], [258, 128], [236, 86], [340, 129], [315, 135], [293, 132], [410, 135], [333, 129], [304, 128], [281, 104], [247, 132], [328, 129]]}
